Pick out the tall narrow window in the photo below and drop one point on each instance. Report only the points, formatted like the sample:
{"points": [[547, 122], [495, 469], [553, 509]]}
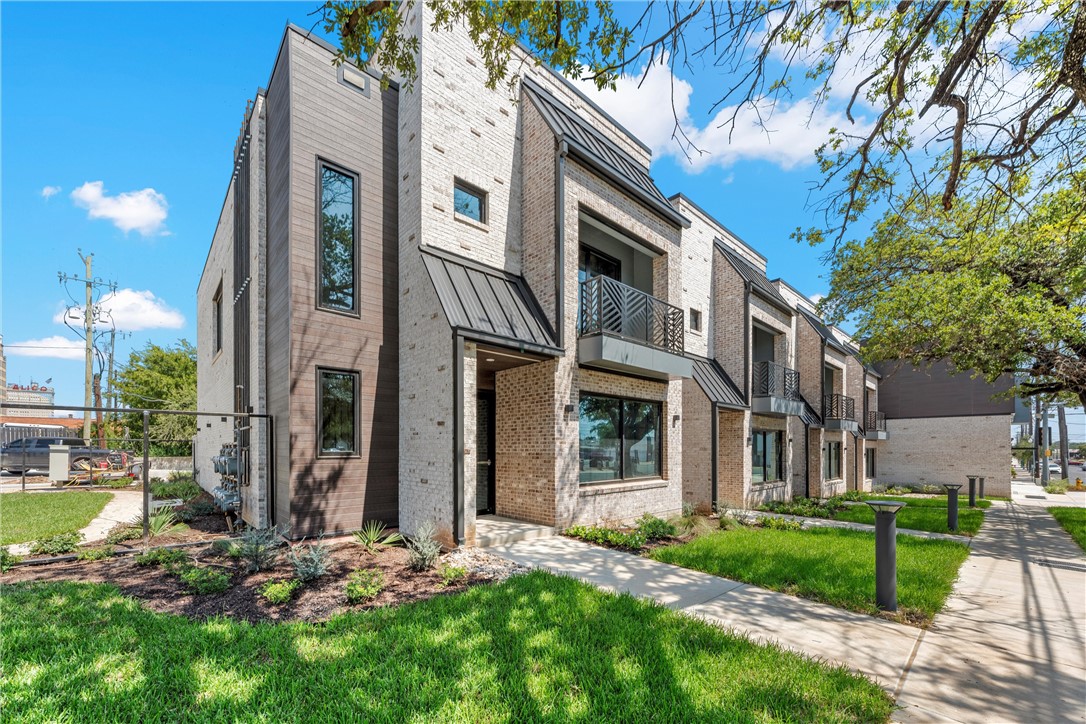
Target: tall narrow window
{"points": [[469, 201], [216, 302], [337, 394], [767, 455], [338, 242], [831, 460], [869, 462], [619, 439]]}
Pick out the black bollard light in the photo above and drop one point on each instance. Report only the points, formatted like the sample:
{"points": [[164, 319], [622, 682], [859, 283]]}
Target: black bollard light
{"points": [[972, 490], [982, 487], [952, 505], [886, 552]]}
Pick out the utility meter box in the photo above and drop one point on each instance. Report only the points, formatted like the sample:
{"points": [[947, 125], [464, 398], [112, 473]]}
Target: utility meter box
{"points": [[59, 463]]}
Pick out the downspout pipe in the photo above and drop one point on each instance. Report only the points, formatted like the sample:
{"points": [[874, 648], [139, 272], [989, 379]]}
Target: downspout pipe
{"points": [[746, 342], [458, 439], [807, 461], [560, 241], [713, 450]]}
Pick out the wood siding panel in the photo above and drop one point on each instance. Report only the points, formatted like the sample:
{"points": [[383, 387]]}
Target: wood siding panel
{"points": [[907, 392]]}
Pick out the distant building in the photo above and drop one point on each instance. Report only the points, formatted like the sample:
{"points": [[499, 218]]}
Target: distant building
{"points": [[32, 394], [944, 426]]}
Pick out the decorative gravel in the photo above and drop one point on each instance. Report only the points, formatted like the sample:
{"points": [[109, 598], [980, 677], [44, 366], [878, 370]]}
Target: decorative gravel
{"points": [[484, 565]]}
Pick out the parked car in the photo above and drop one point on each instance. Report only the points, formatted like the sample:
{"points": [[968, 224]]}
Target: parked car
{"points": [[32, 453], [1055, 469]]}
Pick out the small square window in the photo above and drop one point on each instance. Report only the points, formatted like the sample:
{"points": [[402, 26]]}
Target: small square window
{"points": [[695, 320], [469, 201]]}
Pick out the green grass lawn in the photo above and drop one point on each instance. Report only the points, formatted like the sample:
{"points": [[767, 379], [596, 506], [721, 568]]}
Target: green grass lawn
{"points": [[1073, 521], [32, 516], [832, 565], [940, 502], [537, 647], [920, 517]]}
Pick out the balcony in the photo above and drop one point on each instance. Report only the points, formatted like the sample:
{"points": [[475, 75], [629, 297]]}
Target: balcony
{"points": [[839, 413], [875, 425], [775, 390], [626, 330]]}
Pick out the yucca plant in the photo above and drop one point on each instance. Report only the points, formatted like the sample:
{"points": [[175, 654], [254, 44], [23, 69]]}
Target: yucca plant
{"points": [[373, 537], [161, 522]]}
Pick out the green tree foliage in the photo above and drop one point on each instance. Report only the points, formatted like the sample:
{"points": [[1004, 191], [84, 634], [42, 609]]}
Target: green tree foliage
{"points": [[998, 295], [160, 378]]}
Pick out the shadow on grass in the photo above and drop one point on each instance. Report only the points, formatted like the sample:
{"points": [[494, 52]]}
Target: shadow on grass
{"points": [[537, 647]]}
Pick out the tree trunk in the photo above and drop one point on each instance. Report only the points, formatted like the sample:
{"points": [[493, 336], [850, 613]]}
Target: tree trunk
{"points": [[1062, 416]]}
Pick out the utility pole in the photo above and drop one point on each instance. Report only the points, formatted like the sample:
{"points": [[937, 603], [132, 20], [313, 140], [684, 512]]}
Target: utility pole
{"points": [[1037, 438], [1062, 417], [89, 309], [1045, 442]]}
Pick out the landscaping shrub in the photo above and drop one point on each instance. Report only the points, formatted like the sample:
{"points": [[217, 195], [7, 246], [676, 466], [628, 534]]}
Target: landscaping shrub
{"points": [[118, 483], [654, 528], [200, 508], [422, 549], [181, 476], [259, 548], [853, 496], [898, 490], [202, 581], [56, 545], [690, 522], [183, 489], [227, 548], [1057, 487], [805, 507], [932, 489], [310, 561], [123, 532], [7, 559], [95, 554], [373, 537], [779, 523], [279, 592], [451, 575], [607, 536], [364, 585], [168, 558]]}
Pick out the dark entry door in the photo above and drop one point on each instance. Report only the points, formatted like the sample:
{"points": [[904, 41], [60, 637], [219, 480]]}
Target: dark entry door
{"points": [[484, 452]]}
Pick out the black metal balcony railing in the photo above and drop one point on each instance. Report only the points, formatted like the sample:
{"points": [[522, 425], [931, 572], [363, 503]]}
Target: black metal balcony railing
{"points": [[611, 307], [838, 407], [875, 420], [774, 380]]}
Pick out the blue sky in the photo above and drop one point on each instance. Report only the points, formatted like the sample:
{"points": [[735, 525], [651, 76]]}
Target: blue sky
{"points": [[118, 126]]}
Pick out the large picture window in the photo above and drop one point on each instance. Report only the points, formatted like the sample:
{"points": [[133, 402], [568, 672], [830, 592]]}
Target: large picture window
{"points": [[338, 241], [768, 456], [337, 395], [619, 439], [831, 461]]}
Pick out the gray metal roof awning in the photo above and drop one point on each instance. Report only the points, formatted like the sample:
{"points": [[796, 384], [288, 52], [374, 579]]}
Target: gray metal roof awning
{"points": [[599, 151], [809, 416], [716, 383], [488, 304], [758, 280]]}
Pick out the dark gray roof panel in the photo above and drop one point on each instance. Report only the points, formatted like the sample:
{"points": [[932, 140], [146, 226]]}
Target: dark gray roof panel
{"points": [[490, 302], [600, 151], [759, 281], [716, 384], [827, 334]]}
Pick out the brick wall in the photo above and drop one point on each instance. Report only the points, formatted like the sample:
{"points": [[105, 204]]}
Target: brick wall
{"points": [[733, 458], [697, 446], [525, 451], [939, 450]]}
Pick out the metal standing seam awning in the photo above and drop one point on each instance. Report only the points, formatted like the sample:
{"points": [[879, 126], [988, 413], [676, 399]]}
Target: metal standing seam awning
{"points": [[489, 305], [716, 384]]}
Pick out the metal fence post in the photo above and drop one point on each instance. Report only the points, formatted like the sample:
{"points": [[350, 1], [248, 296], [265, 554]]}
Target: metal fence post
{"points": [[146, 474]]}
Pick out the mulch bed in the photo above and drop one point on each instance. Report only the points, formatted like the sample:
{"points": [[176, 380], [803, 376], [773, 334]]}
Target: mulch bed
{"points": [[318, 600]]}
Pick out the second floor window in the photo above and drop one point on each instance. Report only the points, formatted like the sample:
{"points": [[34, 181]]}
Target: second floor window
{"points": [[338, 241], [469, 201], [695, 320]]}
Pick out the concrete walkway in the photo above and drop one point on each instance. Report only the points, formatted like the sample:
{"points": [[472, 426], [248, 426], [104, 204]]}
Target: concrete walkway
{"points": [[1008, 647], [124, 507]]}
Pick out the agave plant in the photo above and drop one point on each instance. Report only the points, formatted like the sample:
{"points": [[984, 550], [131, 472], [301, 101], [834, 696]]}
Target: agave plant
{"points": [[374, 537]]}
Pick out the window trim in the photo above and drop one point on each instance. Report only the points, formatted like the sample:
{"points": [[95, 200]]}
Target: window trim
{"points": [[217, 332], [356, 379], [622, 439], [472, 190], [323, 162], [780, 454]]}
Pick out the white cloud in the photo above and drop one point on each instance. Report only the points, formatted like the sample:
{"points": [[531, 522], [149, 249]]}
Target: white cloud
{"points": [[49, 192], [143, 211], [785, 134], [132, 311], [56, 346], [816, 298]]}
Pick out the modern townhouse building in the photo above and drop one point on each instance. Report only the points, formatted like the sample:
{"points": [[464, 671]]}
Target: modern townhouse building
{"points": [[449, 304]]}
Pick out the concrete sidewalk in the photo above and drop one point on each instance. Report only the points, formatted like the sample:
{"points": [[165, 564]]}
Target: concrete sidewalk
{"points": [[1008, 647], [124, 507]]}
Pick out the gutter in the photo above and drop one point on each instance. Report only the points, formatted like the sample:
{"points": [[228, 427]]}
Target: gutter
{"points": [[560, 241], [746, 342], [458, 439], [714, 452]]}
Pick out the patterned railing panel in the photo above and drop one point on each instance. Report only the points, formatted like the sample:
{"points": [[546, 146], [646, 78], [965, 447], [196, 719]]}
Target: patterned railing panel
{"points": [[613, 308], [875, 420], [838, 407], [774, 380]]}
